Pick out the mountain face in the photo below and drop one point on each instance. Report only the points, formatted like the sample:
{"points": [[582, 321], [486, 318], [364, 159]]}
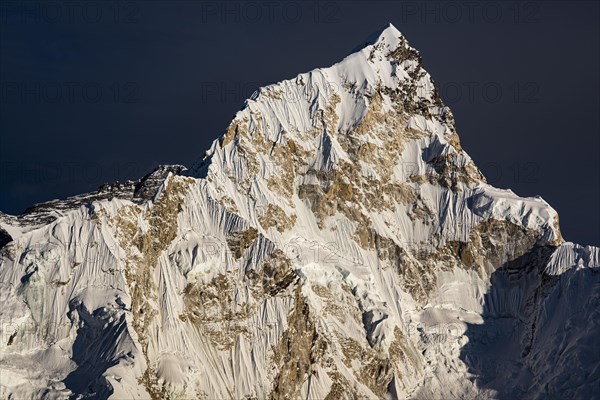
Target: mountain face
{"points": [[335, 243]]}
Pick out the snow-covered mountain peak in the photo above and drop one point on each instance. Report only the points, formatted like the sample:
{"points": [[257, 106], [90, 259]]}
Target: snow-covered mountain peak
{"points": [[384, 40], [335, 242], [371, 127]]}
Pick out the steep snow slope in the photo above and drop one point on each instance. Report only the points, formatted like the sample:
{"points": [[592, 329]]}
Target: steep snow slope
{"points": [[335, 242]]}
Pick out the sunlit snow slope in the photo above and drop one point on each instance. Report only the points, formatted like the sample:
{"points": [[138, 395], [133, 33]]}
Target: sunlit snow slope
{"points": [[335, 243]]}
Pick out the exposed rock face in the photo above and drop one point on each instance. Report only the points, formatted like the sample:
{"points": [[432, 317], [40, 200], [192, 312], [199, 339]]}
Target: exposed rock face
{"points": [[336, 242]]}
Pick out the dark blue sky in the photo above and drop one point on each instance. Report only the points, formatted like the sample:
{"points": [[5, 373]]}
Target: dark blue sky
{"points": [[93, 92]]}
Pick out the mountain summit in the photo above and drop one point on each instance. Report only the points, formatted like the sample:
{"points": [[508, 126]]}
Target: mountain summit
{"points": [[335, 242]]}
